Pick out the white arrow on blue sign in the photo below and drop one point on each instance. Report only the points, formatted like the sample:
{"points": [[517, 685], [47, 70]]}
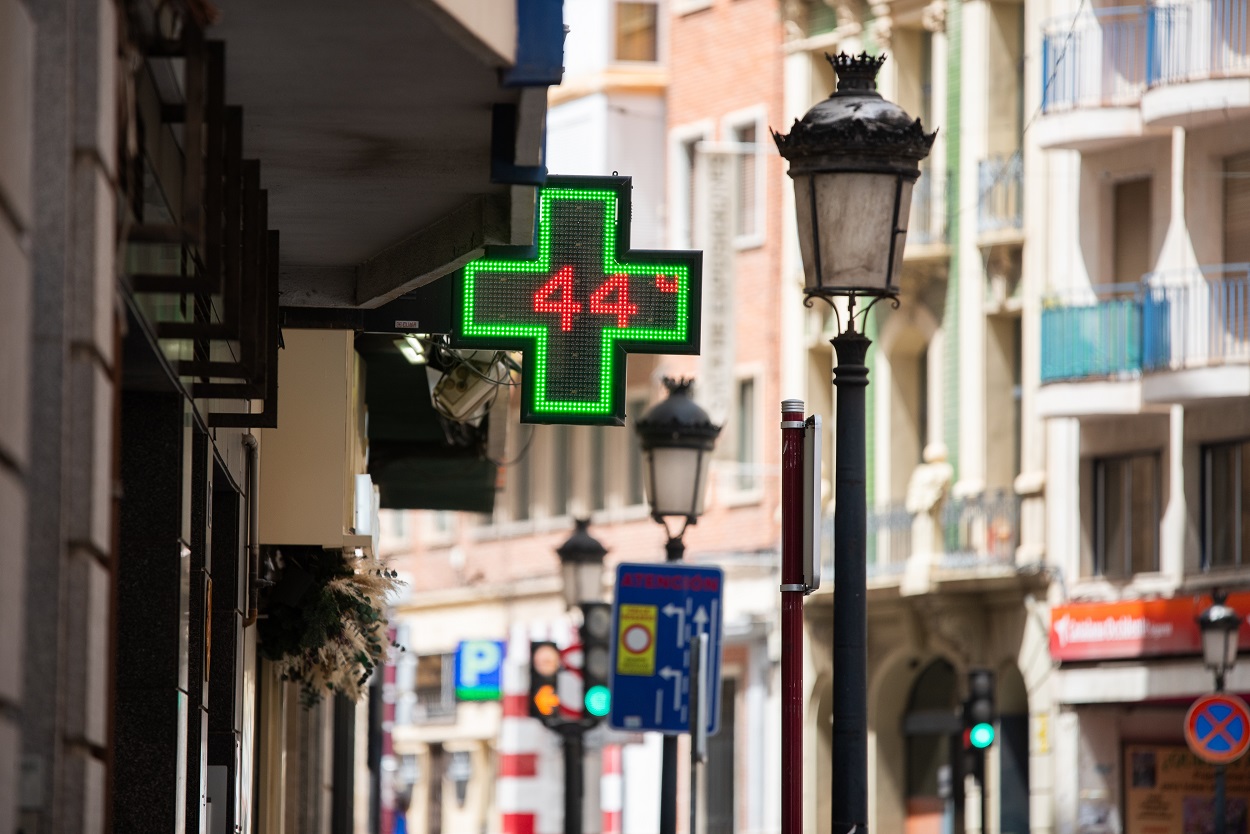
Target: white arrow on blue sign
{"points": [[659, 610]]}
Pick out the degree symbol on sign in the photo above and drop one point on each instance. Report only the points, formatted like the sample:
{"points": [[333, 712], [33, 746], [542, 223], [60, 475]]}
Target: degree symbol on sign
{"points": [[636, 639]]}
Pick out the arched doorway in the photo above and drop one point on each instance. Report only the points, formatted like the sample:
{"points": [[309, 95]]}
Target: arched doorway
{"points": [[928, 725]]}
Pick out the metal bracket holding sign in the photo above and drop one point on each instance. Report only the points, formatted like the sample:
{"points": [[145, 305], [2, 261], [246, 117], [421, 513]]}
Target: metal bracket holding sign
{"points": [[812, 459]]}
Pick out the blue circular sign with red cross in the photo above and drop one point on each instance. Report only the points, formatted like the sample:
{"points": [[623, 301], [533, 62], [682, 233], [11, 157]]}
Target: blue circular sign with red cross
{"points": [[1217, 728]]}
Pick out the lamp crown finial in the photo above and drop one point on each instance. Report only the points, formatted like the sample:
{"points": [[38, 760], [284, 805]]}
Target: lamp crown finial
{"points": [[678, 385], [856, 72]]}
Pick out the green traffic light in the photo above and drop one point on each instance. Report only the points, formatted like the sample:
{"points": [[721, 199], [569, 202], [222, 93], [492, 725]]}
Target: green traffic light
{"points": [[598, 701], [981, 735]]}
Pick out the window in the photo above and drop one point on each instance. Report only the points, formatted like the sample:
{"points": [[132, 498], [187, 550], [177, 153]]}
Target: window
{"points": [[745, 130], [1126, 515], [561, 438], [1225, 505], [598, 473], [435, 687], [634, 486], [521, 486], [683, 175], [637, 31], [1131, 252], [744, 419]]}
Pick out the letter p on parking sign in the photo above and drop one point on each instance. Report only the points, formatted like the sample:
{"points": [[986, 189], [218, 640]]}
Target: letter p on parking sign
{"points": [[479, 670]]}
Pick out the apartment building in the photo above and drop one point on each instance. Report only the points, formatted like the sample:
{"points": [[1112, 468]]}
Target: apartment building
{"points": [[642, 96], [193, 203], [1144, 135], [955, 456]]}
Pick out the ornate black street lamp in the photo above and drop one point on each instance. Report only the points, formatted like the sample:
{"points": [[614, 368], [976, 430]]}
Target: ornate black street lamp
{"points": [[677, 438], [581, 562], [854, 158]]}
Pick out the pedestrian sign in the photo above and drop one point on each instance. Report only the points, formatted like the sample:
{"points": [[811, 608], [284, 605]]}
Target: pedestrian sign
{"points": [[1217, 728], [660, 610]]}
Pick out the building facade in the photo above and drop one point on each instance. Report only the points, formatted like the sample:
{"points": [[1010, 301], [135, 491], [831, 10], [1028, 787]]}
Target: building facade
{"points": [[1142, 131], [194, 203]]}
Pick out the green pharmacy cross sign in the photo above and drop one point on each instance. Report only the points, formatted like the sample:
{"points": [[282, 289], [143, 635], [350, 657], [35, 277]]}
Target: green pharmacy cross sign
{"points": [[577, 301]]}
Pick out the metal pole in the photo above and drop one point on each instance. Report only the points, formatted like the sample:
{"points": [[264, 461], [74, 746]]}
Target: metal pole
{"points": [[850, 612], [573, 764], [1220, 822], [674, 551], [792, 590]]}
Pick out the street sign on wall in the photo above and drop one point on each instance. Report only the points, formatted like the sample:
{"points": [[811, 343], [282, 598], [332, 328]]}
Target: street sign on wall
{"points": [[479, 670], [659, 610], [577, 301]]}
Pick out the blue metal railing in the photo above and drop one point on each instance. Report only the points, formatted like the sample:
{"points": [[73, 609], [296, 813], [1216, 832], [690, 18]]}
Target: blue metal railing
{"points": [[1195, 317], [1001, 203], [1200, 39], [1108, 57], [1092, 333], [1168, 321], [1098, 60]]}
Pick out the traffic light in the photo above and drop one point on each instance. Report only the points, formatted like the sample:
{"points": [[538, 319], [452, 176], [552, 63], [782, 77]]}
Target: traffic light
{"points": [[596, 667], [979, 716], [545, 662]]}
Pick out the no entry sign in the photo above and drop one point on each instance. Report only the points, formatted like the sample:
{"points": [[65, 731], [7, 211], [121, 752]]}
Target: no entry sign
{"points": [[1217, 728], [577, 301]]}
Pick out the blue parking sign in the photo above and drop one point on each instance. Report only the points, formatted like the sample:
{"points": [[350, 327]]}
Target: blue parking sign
{"points": [[660, 610], [479, 670]]}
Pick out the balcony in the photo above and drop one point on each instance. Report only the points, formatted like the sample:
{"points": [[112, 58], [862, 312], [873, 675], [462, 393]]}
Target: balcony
{"points": [[926, 227], [1115, 74], [1094, 74], [1173, 337], [1000, 207], [1199, 63], [976, 531]]}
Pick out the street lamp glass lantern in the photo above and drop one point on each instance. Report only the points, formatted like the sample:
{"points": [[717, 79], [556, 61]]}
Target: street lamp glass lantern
{"points": [[1219, 625], [854, 158], [581, 563], [677, 438]]}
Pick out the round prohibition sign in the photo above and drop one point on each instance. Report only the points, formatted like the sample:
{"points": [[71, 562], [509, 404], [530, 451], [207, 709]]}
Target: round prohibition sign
{"points": [[636, 639], [1217, 728]]}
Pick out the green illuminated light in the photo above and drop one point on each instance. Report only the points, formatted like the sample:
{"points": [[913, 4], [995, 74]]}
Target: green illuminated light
{"points": [[598, 701], [494, 288], [981, 735]]}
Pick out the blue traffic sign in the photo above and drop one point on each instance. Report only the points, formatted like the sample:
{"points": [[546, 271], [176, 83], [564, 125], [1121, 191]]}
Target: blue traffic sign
{"points": [[660, 610], [479, 670]]}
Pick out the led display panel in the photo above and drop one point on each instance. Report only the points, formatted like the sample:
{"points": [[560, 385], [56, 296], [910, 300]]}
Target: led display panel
{"points": [[577, 301]]}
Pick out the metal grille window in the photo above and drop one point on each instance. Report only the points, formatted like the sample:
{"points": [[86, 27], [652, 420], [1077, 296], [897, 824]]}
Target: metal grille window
{"points": [[637, 31], [1225, 505], [634, 494], [745, 451], [749, 169], [435, 687], [1126, 515]]}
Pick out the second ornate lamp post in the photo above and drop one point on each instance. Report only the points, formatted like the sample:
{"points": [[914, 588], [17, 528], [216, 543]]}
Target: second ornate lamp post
{"points": [[854, 158], [581, 562], [677, 439], [1219, 625]]}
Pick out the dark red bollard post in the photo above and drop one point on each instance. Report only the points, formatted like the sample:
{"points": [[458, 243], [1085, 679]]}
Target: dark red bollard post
{"points": [[792, 592]]}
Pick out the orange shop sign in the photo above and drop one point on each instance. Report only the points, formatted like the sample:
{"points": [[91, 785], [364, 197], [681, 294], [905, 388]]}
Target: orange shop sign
{"points": [[1135, 628]]}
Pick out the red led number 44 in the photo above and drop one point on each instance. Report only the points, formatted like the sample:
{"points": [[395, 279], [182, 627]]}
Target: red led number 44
{"points": [[556, 296]]}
